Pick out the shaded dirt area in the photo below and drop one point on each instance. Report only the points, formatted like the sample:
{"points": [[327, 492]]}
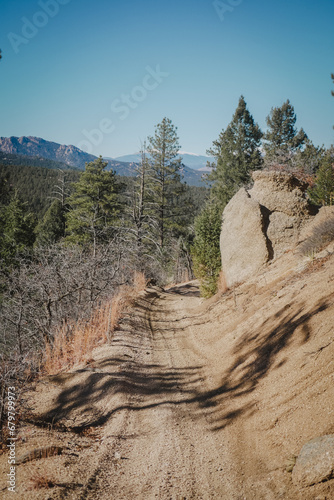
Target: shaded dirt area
{"points": [[193, 399]]}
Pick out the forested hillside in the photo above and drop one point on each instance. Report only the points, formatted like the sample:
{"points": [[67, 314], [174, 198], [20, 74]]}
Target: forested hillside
{"points": [[35, 186], [71, 240], [32, 161]]}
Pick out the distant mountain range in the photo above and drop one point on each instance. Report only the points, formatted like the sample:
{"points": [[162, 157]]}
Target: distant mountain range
{"points": [[35, 146], [36, 149], [190, 160]]}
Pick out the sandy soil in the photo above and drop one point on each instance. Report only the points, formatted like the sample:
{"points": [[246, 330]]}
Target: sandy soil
{"points": [[193, 399]]}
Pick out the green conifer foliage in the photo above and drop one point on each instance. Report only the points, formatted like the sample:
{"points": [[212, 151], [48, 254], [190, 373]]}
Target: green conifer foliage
{"points": [[282, 140], [206, 251], [236, 154], [94, 206], [52, 228], [16, 230], [323, 191], [308, 160], [165, 165]]}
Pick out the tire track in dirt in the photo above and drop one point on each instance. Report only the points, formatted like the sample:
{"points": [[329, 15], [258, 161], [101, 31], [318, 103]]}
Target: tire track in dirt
{"points": [[174, 454]]}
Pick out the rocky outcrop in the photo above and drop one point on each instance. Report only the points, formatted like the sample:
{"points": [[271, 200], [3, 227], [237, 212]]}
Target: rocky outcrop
{"points": [[261, 224], [286, 206], [315, 462], [243, 243]]}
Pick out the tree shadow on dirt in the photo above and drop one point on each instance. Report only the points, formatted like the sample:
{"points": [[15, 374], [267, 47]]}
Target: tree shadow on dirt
{"points": [[188, 290], [253, 357], [93, 400]]}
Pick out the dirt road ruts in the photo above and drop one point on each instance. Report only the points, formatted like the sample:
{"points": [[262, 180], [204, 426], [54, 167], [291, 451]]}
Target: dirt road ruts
{"points": [[168, 449]]}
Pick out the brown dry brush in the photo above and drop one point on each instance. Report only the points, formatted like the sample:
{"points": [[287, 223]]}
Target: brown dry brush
{"points": [[74, 343], [322, 235], [45, 296]]}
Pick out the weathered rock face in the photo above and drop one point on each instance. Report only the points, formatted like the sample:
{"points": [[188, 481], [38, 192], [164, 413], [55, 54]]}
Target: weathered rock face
{"points": [[283, 196], [280, 192], [315, 462], [261, 224], [243, 243]]}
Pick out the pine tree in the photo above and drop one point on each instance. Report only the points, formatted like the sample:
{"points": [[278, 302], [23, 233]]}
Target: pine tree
{"points": [[165, 177], [237, 154], [52, 228], [16, 229], [4, 190], [323, 191], [282, 140], [308, 160], [94, 205], [206, 248], [53, 225]]}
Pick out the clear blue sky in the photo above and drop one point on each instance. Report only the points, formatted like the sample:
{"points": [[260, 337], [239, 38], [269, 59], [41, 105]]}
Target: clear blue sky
{"points": [[82, 65]]}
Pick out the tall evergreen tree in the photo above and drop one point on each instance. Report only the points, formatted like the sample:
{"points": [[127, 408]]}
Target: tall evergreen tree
{"points": [[237, 154], [52, 228], [206, 249], [16, 229], [94, 205], [282, 140], [53, 225], [4, 190], [165, 177], [308, 160], [323, 191]]}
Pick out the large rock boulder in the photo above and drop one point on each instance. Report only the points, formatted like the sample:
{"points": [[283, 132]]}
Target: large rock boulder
{"points": [[243, 242], [262, 223], [315, 462], [287, 207]]}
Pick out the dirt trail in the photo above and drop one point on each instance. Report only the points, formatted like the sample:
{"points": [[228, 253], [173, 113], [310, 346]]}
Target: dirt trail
{"points": [[194, 399], [167, 448]]}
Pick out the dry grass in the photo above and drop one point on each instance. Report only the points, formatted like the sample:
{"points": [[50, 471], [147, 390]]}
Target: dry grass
{"points": [[74, 343], [320, 237], [297, 171]]}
